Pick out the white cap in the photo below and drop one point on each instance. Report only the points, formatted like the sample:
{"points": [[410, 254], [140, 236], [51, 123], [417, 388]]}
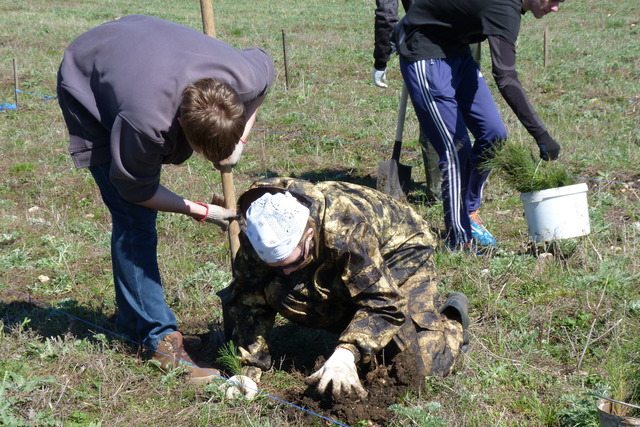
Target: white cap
{"points": [[275, 224]]}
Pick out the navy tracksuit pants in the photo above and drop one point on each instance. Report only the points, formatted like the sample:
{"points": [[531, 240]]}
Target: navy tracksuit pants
{"points": [[451, 97]]}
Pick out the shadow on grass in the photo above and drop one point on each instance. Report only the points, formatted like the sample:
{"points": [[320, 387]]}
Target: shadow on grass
{"points": [[295, 347], [292, 347], [328, 174], [419, 192], [344, 175], [66, 317]]}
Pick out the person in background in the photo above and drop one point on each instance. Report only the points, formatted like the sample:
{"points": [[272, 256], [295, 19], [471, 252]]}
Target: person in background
{"points": [[386, 17], [138, 93], [451, 97], [343, 258]]}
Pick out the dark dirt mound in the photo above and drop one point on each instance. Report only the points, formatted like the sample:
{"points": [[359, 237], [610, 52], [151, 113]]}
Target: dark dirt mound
{"points": [[296, 353], [386, 384]]}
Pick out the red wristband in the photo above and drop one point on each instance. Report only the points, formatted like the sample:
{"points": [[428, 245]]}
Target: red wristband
{"points": [[244, 141], [206, 214]]}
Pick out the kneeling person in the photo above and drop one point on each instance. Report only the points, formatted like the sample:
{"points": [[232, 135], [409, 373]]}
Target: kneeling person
{"points": [[347, 259]]}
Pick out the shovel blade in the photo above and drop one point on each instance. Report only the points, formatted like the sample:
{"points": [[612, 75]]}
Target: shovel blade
{"points": [[393, 178]]}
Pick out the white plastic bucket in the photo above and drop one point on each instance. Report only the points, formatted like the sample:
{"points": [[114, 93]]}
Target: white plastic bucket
{"points": [[557, 213]]}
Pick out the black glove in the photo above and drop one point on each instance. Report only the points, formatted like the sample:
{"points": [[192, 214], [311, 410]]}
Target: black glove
{"points": [[549, 148]]}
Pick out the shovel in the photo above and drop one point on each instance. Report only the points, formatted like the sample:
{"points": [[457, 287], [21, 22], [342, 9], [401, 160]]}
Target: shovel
{"points": [[394, 178], [228, 189]]}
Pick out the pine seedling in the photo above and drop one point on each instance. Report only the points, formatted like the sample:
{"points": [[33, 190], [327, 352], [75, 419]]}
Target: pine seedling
{"points": [[524, 172], [228, 357]]}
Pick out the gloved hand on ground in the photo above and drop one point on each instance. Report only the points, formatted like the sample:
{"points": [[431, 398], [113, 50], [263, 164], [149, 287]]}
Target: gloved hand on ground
{"points": [[379, 77], [240, 385], [339, 371]]}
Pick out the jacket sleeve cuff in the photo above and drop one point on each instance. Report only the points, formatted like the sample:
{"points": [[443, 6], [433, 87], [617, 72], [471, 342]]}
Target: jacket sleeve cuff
{"points": [[352, 348]]}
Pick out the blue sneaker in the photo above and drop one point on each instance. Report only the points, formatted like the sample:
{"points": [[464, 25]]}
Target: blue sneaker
{"points": [[480, 234]]}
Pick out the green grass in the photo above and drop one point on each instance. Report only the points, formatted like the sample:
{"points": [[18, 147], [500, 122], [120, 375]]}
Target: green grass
{"points": [[546, 330]]}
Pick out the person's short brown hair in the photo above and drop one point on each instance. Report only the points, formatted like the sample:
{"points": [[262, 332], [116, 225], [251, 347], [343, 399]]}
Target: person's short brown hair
{"points": [[212, 118]]}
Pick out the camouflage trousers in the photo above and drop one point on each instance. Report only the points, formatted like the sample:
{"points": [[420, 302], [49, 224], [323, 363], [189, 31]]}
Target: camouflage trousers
{"points": [[435, 339]]}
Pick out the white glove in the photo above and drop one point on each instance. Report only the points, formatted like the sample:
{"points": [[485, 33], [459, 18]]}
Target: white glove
{"points": [[340, 371], [240, 385], [379, 77], [218, 215], [233, 159]]}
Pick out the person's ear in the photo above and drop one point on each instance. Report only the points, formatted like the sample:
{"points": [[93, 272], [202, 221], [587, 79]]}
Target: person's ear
{"points": [[309, 232]]}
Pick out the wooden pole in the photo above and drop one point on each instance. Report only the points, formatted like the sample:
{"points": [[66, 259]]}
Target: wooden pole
{"points": [[546, 46], [228, 189], [15, 81], [208, 21]]}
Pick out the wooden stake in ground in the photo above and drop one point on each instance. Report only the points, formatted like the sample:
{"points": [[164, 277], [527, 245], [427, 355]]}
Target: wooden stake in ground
{"points": [[15, 81], [546, 46], [228, 189]]}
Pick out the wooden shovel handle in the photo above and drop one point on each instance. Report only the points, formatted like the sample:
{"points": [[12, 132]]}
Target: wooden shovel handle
{"points": [[208, 23], [228, 189], [402, 113], [229, 192]]}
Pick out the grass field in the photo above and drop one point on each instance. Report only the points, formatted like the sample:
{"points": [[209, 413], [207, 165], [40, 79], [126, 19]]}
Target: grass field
{"points": [[552, 323]]}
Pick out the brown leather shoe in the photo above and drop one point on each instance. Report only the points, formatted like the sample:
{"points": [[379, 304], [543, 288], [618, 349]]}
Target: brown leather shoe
{"points": [[171, 354]]}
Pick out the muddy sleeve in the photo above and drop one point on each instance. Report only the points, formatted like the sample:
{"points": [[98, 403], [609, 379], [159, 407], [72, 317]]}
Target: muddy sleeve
{"points": [[503, 63], [380, 304], [247, 314], [250, 321]]}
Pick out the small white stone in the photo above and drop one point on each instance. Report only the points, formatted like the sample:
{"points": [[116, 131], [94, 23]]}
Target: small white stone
{"points": [[545, 256], [240, 385]]}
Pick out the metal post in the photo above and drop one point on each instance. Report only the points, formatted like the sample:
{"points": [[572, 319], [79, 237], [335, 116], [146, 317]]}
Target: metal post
{"points": [[286, 63]]}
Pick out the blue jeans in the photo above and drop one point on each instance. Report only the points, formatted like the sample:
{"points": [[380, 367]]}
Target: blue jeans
{"points": [[143, 313], [451, 97]]}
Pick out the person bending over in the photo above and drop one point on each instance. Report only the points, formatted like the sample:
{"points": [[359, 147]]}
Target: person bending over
{"points": [[343, 258], [137, 93]]}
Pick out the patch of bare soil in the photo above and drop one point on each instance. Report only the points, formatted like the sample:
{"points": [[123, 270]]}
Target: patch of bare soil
{"points": [[386, 384]]}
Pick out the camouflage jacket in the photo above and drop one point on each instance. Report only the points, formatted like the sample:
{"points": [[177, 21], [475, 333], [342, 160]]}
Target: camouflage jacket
{"points": [[366, 245]]}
